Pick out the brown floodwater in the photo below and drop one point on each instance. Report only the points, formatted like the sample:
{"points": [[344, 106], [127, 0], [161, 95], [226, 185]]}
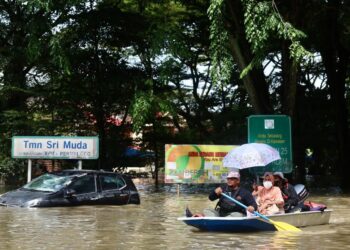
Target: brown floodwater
{"points": [[154, 225]]}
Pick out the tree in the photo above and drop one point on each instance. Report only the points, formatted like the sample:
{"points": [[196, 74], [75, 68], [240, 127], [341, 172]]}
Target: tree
{"points": [[333, 45], [26, 31], [96, 86]]}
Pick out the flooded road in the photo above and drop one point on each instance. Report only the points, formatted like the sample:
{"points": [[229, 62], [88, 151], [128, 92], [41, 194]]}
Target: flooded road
{"points": [[154, 225]]}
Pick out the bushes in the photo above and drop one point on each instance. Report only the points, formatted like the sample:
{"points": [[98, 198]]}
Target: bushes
{"points": [[12, 171]]}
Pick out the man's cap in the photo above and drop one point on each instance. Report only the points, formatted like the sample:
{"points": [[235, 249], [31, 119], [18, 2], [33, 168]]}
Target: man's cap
{"points": [[234, 174], [280, 174]]}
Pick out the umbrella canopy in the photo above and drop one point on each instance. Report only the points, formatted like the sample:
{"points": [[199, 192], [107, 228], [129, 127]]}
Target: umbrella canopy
{"points": [[251, 155]]}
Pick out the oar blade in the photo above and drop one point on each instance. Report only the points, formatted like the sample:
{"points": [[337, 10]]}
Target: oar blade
{"points": [[283, 226]]}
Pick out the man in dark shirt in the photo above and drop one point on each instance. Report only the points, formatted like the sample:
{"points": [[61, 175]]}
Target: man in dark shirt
{"points": [[226, 207], [290, 197]]}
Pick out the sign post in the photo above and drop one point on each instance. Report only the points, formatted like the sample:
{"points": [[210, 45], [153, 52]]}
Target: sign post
{"points": [[54, 147], [274, 130], [29, 172], [80, 164]]}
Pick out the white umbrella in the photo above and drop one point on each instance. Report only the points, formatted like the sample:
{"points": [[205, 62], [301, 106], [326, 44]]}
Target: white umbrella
{"points": [[251, 155]]}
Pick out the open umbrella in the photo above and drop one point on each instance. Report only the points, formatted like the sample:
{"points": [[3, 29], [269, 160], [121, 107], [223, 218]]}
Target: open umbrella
{"points": [[251, 155], [255, 155]]}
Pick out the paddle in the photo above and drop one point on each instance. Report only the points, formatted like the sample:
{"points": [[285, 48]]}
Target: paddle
{"points": [[280, 226]]}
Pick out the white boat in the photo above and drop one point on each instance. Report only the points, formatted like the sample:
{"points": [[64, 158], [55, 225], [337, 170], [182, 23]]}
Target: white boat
{"points": [[255, 223]]}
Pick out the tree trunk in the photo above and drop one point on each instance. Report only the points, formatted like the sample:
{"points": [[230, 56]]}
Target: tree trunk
{"points": [[156, 155], [290, 78], [254, 81], [336, 75]]}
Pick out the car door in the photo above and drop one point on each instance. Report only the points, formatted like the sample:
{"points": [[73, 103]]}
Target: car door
{"points": [[114, 190], [84, 190]]}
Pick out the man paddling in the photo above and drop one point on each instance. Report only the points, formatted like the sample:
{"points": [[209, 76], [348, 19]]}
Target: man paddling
{"points": [[226, 207]]}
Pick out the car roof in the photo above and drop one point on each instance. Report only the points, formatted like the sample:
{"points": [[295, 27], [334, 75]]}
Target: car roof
{"points": [[85, 171]]}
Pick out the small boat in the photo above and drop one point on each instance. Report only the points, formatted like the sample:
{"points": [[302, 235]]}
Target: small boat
{"points": [[255, 223]]}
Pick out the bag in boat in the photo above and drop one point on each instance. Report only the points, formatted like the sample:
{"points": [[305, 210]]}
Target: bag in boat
{"points": [[313, 206]]}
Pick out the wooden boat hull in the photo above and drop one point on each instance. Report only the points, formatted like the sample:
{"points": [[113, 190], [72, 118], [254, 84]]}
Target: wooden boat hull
{"points": [[249, 224]]}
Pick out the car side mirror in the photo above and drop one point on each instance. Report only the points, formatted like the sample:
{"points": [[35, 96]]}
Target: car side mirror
{"points": [[69, 193]]}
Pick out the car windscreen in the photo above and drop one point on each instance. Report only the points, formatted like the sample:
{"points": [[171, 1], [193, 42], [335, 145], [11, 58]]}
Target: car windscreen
{"points": [[48, 183]]}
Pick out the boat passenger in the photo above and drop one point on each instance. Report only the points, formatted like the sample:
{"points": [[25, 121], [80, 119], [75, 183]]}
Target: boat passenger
{"points": [[289, 195], [268, 197], [226, 207]]}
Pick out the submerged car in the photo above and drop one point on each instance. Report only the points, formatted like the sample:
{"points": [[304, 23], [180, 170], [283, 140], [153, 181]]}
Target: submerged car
{"points": [[72, 188]]}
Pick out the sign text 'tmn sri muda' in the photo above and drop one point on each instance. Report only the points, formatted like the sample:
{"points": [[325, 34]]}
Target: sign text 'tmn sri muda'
{"points": [[55, 147]]}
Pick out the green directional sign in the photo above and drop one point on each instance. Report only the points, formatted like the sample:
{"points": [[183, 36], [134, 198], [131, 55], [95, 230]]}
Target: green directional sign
{"points": [[274, 130]]}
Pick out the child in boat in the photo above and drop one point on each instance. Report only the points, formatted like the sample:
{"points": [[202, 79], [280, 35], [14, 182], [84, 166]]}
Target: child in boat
{"points": [[269, 198]]}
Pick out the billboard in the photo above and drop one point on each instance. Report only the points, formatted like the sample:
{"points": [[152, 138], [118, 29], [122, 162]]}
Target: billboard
{"points": [[195, 163], [55, 147]]}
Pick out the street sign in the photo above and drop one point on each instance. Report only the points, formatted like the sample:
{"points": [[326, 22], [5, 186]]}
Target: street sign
{"points": [[274, 130], [55, 147]]}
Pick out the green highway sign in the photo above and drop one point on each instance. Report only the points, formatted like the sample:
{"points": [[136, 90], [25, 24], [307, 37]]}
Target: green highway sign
{"points": [[274, 130]]}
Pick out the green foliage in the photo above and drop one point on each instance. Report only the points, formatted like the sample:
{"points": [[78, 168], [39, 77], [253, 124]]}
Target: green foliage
{"points": [[298, 52], [222, 63], [58, 54], [262, 23], [145, 107], [141, 109], [254, 63], [12, 170], [41, 4]]}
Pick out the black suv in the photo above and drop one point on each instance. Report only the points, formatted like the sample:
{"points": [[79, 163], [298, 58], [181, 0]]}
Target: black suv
{"points": [[72, 188]]}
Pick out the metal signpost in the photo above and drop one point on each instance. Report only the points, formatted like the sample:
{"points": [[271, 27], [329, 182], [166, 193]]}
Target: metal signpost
{"points": [[274, 130], [54, 147]]}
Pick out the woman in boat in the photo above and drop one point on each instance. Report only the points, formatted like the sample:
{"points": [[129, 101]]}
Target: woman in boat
{"points": [[268, 197], [226, 207], [289, 195]]}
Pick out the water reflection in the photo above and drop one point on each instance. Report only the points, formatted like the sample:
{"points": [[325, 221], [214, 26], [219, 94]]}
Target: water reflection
{"points": [[154, 225]]}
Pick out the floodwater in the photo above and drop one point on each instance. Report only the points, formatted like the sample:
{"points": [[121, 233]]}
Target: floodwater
{"points": [[154, 225]]}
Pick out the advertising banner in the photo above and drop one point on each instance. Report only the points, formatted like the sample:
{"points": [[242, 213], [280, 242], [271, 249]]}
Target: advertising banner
{"points": [[195, 163], [55, 147]]}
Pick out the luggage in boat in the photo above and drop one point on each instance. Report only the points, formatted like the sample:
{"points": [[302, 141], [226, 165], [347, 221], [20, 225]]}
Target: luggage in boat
{"points": [[313, 206]]}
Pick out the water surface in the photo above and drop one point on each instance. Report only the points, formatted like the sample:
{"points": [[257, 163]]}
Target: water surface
{"points": [[154, 225]]}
